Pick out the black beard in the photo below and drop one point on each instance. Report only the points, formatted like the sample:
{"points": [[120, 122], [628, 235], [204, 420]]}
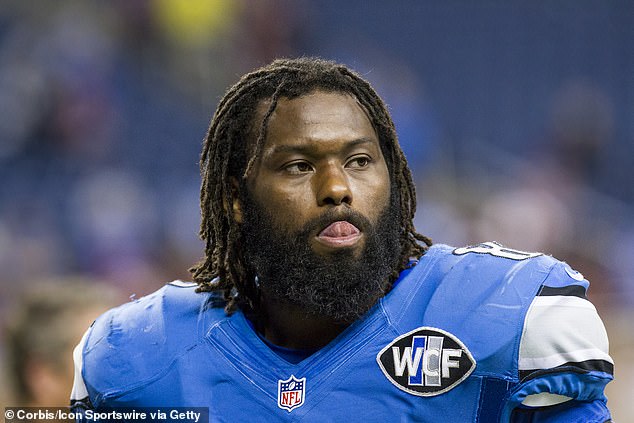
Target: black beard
{"points": [[338, 286]]}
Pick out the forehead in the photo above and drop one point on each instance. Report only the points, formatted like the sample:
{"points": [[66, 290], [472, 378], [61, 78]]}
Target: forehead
{"points": [[319, 117]]}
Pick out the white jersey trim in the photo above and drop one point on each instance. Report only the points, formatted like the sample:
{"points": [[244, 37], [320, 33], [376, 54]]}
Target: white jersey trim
{"points": [[79, 387], [544, 399], [561, 329]]}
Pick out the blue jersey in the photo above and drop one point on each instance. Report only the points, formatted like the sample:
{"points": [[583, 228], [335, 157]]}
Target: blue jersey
{"points": [[476, 334]]}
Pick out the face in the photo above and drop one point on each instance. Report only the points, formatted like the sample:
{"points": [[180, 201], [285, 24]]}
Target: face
{"points": [[322, 157], [319, 224]]}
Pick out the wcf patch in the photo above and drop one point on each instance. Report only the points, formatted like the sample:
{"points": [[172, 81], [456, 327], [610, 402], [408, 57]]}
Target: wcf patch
{"points": [[426, 362]]}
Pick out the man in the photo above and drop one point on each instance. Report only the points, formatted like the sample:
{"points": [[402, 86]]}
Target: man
{"points": [[47, 321], [318, 301]]}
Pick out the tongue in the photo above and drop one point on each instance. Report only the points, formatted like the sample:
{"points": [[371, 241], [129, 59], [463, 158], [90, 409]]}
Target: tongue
{"points": [[339, 230]]}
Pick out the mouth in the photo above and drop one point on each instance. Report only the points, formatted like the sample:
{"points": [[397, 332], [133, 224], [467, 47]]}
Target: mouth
{"points": [[339, 234]]}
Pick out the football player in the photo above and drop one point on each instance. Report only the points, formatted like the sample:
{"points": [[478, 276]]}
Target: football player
{"points": [[317, 300]]}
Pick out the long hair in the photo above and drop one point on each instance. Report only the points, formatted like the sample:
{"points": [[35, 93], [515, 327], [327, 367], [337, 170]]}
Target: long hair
{"points": [[234, 142]]}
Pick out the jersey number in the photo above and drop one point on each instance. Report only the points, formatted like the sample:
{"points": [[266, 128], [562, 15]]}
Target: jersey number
{"points": [[495, 249]]}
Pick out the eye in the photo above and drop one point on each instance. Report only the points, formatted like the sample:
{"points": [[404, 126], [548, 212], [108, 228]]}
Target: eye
{"points": [[359, 162], [298, 168]]}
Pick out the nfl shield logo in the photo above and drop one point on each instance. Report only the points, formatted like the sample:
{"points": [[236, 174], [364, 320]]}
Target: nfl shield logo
{"points": [[291, 392]]}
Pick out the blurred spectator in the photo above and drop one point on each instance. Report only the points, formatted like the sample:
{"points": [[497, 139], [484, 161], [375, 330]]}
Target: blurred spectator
{"points": [[46, 324]]}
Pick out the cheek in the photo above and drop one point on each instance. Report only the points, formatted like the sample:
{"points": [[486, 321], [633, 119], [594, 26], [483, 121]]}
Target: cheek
{"points": [[286, 206], [373, 194], [380, 200]]}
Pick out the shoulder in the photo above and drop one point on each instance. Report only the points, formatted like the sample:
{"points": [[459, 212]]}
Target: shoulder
{"points": [[486, 266], [480, 293], [490, 283], [492, 254], [562, 327], [141, 338], [564, 348], [563, 345], [476, 275], [151, 316], [554, 294]]}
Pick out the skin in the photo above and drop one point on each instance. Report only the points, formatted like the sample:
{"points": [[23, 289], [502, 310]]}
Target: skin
{"points": [[321, 153]]}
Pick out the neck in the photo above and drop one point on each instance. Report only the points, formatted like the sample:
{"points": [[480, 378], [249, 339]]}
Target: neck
{"points": [[289, 326]]}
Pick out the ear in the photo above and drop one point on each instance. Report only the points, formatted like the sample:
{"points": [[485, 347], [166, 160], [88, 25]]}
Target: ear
{"points": [[236, 207]]}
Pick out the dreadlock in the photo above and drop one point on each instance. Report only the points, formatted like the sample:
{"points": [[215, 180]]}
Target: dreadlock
{"points": [[228, 156]]}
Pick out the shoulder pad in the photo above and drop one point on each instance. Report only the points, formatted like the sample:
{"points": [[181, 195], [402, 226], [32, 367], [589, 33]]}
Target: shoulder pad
{"points": [[138, 340]]}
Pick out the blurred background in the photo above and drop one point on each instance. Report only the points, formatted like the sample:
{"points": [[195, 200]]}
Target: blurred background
{"points": [[517, 118]]}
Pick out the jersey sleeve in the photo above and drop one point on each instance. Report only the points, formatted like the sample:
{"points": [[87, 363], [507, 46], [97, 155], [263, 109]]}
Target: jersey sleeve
{"points": [[564, 362]]}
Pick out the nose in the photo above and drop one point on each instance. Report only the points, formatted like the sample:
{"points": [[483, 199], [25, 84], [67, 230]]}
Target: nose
{"points": [[333, 187]]}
